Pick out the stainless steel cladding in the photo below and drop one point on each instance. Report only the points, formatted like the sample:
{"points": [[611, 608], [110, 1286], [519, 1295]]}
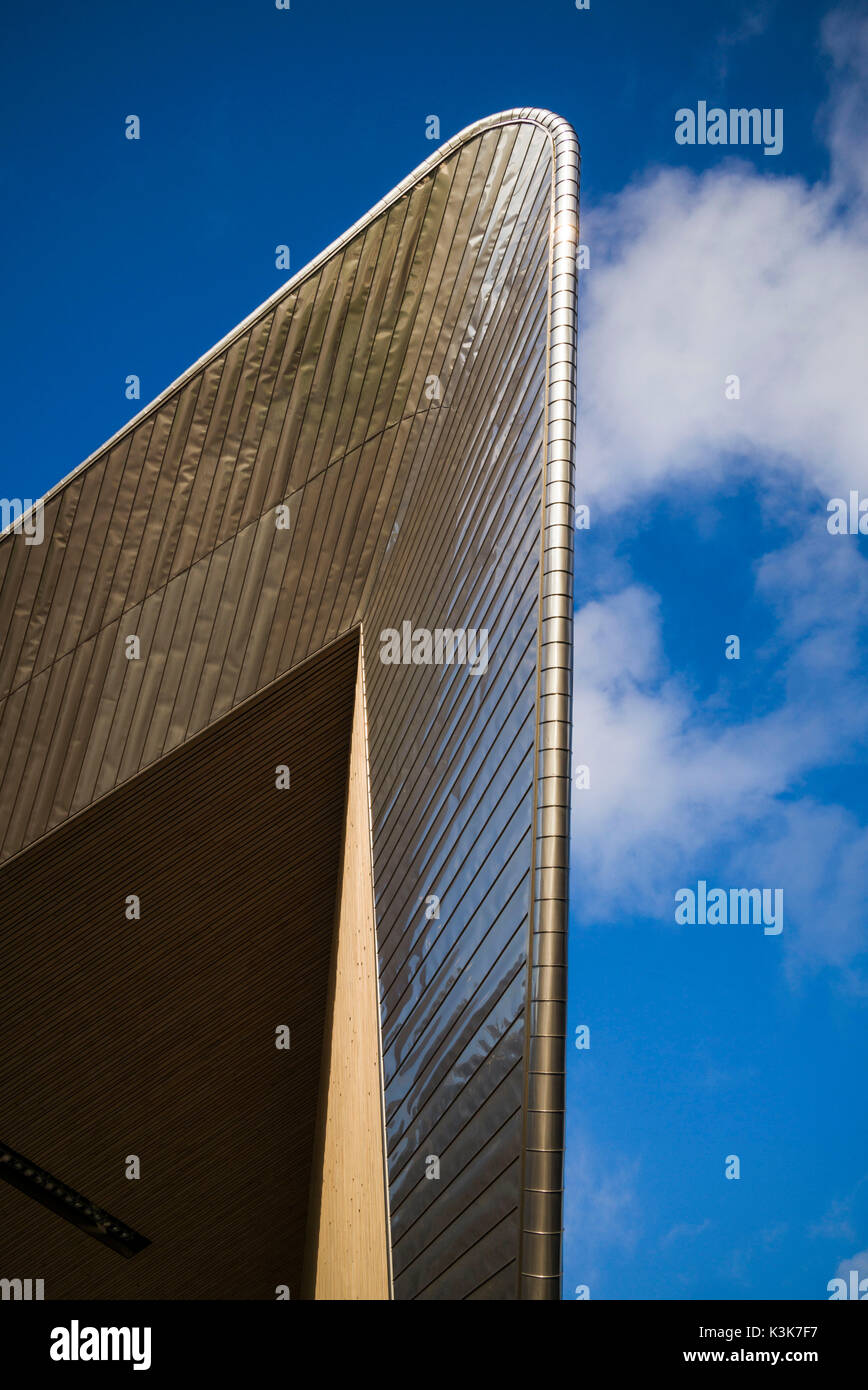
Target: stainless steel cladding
{"points": [[387, 444]]}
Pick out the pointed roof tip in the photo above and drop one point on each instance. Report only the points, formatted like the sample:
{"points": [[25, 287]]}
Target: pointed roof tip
{"points": [[559, 126], [565, 141], [567, 152]]}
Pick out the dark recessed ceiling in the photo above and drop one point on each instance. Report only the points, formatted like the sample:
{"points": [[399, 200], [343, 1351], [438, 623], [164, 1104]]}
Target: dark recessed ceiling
{"points": [[157, 1037]]}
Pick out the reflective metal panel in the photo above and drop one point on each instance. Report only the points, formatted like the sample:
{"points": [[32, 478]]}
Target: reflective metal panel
{"points": [[406, 403]]}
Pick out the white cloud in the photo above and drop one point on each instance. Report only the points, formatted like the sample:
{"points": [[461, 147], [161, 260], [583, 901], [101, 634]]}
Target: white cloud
{"points": [[859, 1262], [846, 116], [696, 277], [673, 790], [835, 1224], [693, 278]]}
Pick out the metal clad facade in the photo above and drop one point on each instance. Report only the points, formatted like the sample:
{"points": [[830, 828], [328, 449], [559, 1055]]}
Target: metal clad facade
{"points": [[410, 398]]}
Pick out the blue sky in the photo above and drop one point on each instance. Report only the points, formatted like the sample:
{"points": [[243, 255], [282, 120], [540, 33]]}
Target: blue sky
{"points": [[262, 127]]}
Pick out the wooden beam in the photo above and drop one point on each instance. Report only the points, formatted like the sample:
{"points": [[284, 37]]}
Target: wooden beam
{"points": [[348, 1224]]}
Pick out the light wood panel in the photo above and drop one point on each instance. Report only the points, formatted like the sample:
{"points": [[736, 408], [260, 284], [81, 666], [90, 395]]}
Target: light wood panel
{"points": [[348, 1253]]}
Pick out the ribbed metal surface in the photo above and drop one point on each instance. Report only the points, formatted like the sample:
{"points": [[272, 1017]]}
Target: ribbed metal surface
{"points": [[444, 504]]}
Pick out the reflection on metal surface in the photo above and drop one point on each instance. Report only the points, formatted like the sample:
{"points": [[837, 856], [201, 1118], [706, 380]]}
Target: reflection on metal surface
{"points": [[409, 400]]}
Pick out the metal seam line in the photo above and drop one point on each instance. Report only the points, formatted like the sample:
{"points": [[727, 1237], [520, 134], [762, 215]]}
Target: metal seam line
{"points": [[540, 1251]]}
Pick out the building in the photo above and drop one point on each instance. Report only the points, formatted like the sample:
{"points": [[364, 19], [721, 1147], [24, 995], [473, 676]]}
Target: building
{"points": [[285, 728]]}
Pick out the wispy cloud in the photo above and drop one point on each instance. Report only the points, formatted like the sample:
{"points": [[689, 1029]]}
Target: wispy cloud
{"points": [[685, 1231], [602, 1212], [859, 1262], [753, 22]]}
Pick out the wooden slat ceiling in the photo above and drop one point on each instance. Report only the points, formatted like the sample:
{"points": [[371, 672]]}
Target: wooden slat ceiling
{"points": [[156, 1037]]}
